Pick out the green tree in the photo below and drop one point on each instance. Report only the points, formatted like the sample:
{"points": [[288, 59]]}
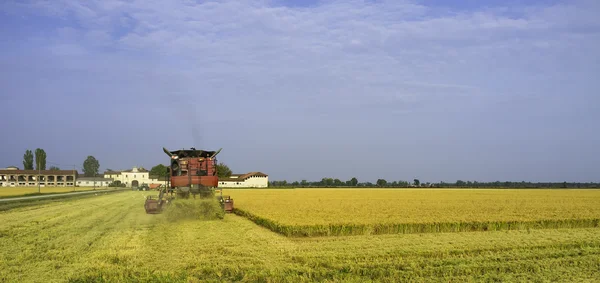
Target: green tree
{"points": [[223, 170], [90, 166], [381, 182], [354, 182], [417, 182], [327, 182], [53, 168], [159, 170], [40, 159], [28, 160]]}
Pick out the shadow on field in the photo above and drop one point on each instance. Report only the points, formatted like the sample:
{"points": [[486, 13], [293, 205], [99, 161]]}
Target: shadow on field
{"points": [[194, 209]]}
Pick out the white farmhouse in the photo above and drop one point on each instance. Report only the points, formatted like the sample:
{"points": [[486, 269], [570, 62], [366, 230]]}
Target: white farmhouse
{"points": [[248, 180], [134, 177]]}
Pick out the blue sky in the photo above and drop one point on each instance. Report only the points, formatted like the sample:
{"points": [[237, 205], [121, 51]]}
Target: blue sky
{"points": [[435, 90]]}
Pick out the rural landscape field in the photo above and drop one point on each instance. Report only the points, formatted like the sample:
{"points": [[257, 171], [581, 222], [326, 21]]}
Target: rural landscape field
{"points": [[110, 238], [299, 141]]}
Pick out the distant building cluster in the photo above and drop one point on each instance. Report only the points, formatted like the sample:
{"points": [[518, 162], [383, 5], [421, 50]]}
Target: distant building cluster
{"points": [[14, 177]]}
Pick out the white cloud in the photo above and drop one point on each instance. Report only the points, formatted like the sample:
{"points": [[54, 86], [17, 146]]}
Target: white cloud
{"points": [[350, 50]]}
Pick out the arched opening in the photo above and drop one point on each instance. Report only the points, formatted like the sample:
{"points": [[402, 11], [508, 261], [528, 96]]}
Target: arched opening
{"points": [[135, 183]]}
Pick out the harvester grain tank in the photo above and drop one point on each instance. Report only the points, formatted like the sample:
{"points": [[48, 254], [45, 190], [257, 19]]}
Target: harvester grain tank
{"points": [[191, 173]]}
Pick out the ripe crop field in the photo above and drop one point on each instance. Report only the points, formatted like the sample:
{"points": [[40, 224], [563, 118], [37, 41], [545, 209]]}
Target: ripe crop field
{"points": [[318, 212], [20, 191], [109, 238]]}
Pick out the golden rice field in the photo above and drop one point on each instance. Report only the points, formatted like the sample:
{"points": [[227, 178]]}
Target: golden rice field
{"points": [[316, 212], [109, 238], [20, 191]]}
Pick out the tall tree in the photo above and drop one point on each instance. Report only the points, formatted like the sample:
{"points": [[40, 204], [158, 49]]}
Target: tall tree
{"points": [[159, 170], [28, 160], [40, 159], [90, 166], [223, 170], [353, 182]]}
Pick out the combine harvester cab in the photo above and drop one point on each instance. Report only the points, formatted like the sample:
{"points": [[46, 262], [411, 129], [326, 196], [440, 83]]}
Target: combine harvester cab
{"points": [[191, 173]]}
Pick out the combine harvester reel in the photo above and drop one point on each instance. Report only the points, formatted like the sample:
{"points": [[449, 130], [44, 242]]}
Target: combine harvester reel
{"points": [[192, 172]]}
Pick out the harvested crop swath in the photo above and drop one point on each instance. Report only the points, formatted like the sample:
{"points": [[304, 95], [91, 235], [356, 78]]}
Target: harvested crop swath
{"points": [[198, 209], [410, 228], [327, 212]]}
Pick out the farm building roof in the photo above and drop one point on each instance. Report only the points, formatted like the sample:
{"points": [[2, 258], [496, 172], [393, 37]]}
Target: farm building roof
{"points": [[41, 172], [97, 179], [139, 170], [115, 172]]}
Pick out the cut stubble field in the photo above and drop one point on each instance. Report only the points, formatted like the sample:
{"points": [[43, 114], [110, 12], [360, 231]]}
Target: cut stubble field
{"points": [[109, 238]]}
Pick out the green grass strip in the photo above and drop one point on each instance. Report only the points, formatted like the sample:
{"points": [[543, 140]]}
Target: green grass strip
{"points": [[412, 228]]}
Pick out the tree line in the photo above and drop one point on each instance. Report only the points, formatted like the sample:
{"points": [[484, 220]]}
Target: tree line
{"points": [[40, 160], [91, 166], [416, 183]]}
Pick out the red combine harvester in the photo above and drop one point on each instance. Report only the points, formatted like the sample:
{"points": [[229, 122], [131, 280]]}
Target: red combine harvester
{"points": [[192, 172]]}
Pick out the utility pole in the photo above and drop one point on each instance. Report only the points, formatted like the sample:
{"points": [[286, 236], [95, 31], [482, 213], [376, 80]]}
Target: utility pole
{"points": [[38, 178], [74, 178]]}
